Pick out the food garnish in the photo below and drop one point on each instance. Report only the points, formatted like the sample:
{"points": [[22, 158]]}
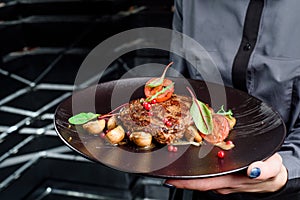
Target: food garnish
{"points": [[229, 116], [201, 115], [159, 89], [155, 82], [163, 118], [172, 148], [82, 118], [164, 93], [221, 154], [223, 112]]}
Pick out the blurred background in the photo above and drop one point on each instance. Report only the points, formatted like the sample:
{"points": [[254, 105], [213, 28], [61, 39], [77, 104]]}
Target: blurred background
{"points": [[42, 45]]}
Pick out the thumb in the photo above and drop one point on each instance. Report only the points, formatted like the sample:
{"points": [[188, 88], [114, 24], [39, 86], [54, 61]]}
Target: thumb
{"points": [[262, 170]]}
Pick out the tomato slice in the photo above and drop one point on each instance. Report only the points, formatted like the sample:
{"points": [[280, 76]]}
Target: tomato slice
{"points": [[150, 91], [220, 130]]}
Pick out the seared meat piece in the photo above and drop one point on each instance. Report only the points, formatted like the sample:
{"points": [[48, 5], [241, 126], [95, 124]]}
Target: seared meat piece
{"points": [[135, 117]]}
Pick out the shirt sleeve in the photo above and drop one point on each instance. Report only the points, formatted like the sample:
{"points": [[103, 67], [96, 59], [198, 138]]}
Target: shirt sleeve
{"points": [[290, 150]]}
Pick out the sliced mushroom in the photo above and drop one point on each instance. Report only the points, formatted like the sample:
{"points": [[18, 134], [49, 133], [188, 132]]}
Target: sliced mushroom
{"points": [[111, 123], [94, 127], [192, 134], [115, 135], [141, 139]]}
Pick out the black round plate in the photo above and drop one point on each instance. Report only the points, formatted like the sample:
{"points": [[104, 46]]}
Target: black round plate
{"points": [[258, 134]]}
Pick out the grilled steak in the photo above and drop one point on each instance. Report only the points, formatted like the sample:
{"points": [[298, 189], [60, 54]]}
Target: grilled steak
{"points": [[135, 117]]}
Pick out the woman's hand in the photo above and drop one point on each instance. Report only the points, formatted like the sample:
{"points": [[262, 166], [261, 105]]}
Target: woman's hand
{"points": [[263, 176]]}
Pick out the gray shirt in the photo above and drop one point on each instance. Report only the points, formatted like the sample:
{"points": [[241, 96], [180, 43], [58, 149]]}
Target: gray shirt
{"points": [[273, 72]]}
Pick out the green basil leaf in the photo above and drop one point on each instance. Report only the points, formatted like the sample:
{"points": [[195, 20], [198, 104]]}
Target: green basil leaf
{"points": [[202, 117], [82, 118], [159, 81]]}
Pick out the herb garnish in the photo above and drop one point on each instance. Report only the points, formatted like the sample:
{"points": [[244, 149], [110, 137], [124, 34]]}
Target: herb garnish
{"points": [[201, 115], [159, 81], [225, 113], [82, 118], [160, 92]]}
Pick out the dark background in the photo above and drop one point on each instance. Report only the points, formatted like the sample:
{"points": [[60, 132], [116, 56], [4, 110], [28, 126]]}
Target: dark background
{"points": [[42, 45]]}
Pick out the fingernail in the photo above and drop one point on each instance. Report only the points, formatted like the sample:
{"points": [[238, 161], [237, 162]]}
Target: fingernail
{"points": [[255, 172], [168, 185]]}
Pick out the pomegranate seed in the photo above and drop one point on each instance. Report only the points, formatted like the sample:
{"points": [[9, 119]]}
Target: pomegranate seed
{"points": [[150, 114], [229, 142], [221, 154]]}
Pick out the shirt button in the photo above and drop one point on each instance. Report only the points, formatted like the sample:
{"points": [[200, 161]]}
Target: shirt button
{"points": [[247, 47]]}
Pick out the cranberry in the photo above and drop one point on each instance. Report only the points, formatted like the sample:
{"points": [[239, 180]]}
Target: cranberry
{"points": [[154, 101], [102, 135], [150, 114], [169, 124], [165, 120], [128, 133], [221, 154], [175, 149], [147, 105], [170, 148]]}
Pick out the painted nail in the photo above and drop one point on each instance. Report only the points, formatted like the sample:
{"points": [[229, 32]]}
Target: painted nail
{"points": [[255, 172]]}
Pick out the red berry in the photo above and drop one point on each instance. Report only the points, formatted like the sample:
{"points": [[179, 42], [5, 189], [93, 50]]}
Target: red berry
{"points": [[165, 120], [169, 124], [229, 142], [174, 149], [154, 101], [170, 148], [128, 133], [221, 154], [102, 135], [147, 105]]}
